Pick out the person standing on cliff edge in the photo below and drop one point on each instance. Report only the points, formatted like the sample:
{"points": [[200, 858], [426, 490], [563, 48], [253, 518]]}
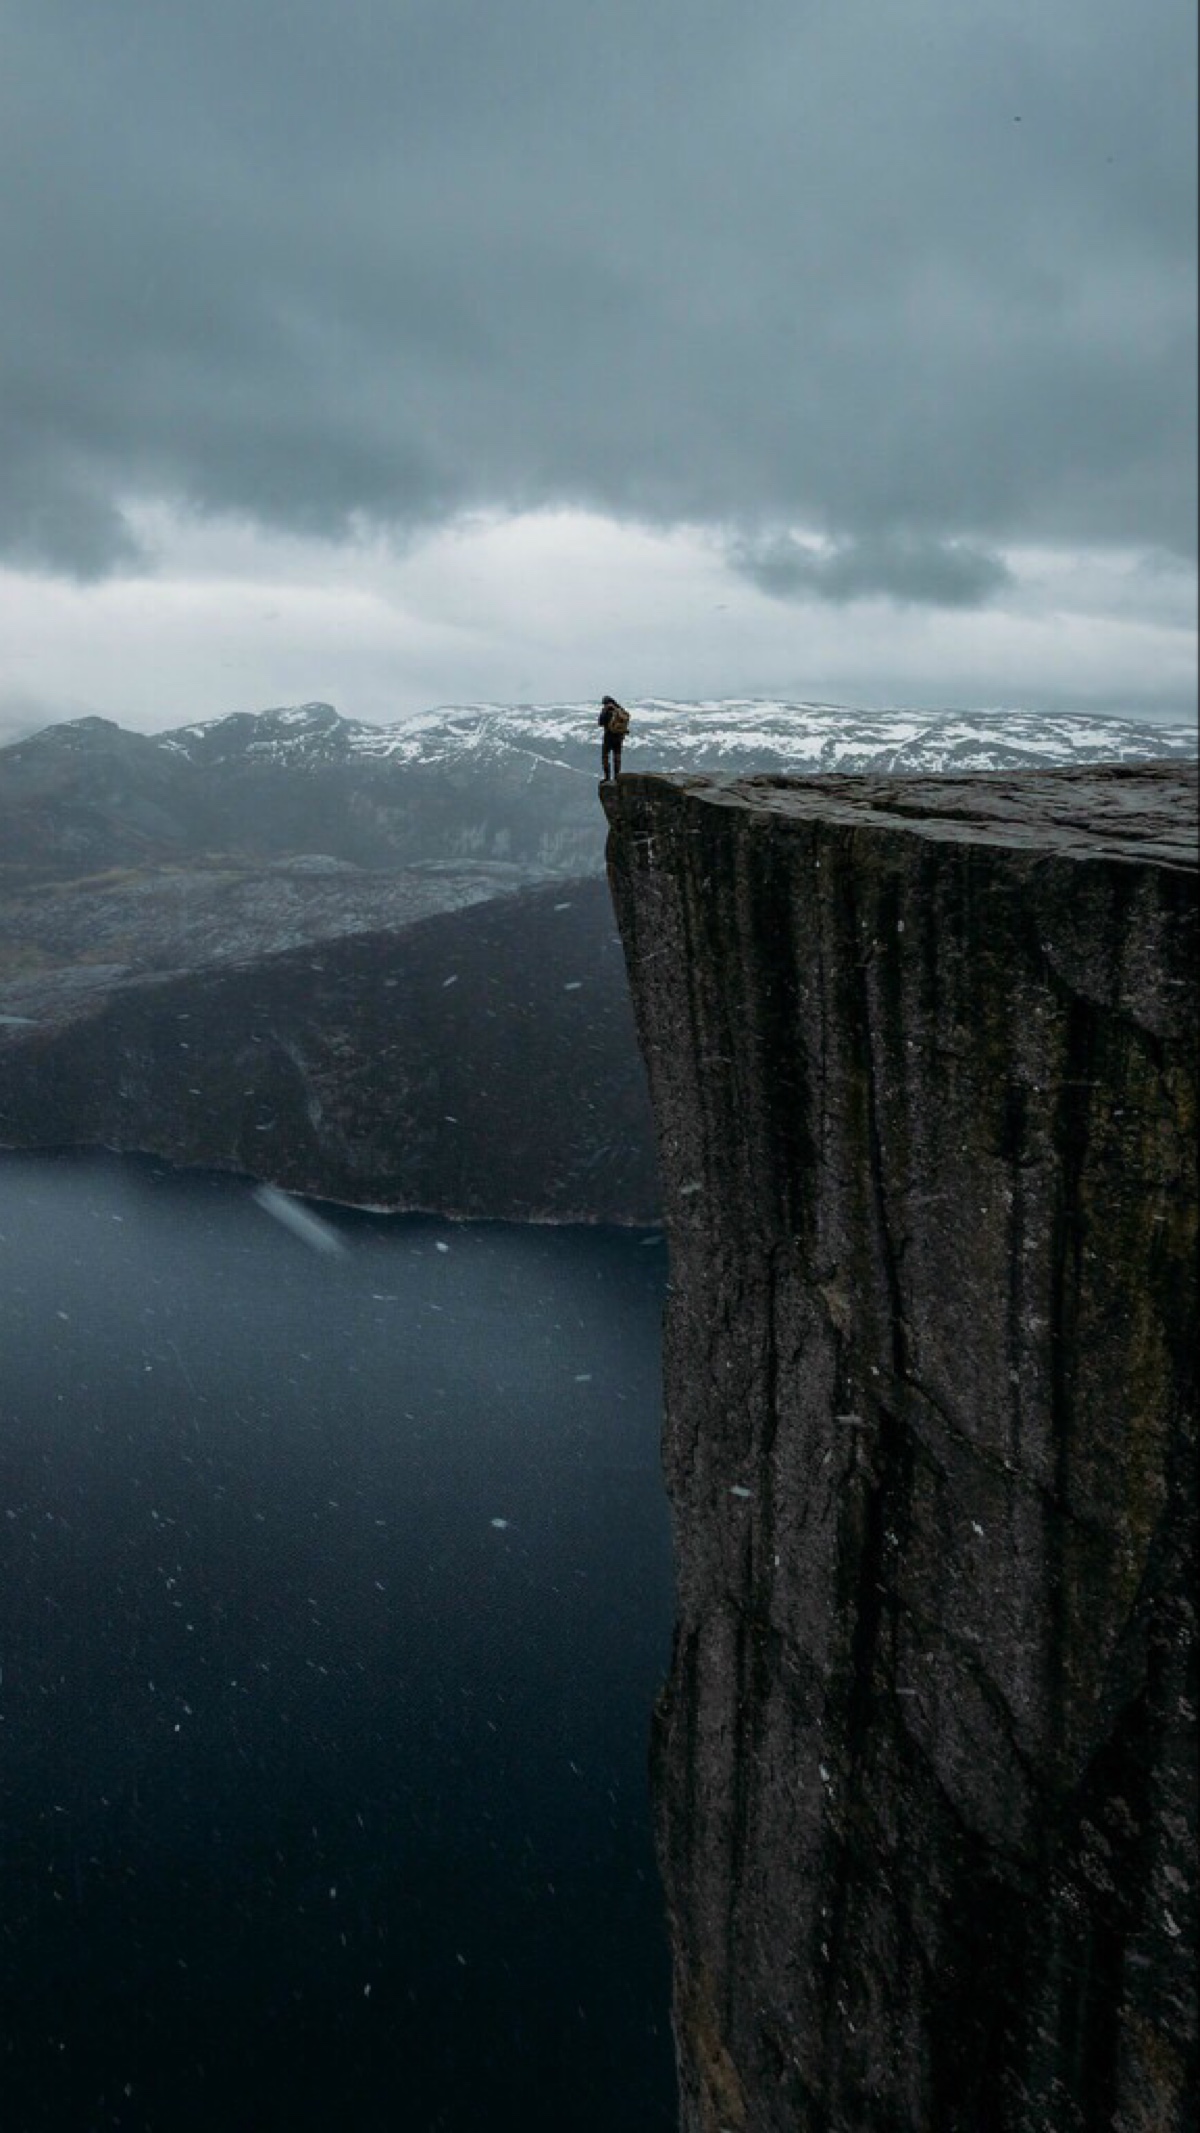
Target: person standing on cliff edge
{"points": [[615, 720]]}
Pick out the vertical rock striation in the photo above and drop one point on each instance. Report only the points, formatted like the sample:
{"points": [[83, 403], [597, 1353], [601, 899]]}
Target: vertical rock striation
{"points": [[922, 1055]]}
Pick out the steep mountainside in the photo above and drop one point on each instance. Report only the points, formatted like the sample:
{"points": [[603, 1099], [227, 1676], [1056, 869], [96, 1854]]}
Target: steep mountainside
{"points": [[922, 1057], [478, 1062]]}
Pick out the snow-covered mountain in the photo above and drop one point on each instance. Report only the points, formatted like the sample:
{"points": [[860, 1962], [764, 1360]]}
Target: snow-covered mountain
{"points": [[733, 736]]}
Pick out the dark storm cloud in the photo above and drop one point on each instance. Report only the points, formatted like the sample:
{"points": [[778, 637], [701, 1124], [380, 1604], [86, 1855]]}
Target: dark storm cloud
{"points": [[911, 569], [918, 278]]}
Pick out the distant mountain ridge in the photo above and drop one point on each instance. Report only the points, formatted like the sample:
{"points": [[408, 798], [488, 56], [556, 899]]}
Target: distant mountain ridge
{"points": [[705, 734], [507, 783]]}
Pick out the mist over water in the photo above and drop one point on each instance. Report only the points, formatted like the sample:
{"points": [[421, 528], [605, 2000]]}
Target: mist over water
{"points": [[336, 1593]]}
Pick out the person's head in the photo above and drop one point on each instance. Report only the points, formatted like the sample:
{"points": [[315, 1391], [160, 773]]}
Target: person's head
{"points": [[609, 703]]}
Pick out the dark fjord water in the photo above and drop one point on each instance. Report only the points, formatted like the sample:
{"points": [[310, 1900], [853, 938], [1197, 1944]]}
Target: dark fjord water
{"points": [[322, 1791]]}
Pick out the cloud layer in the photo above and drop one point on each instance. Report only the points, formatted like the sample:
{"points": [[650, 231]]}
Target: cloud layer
{"points": [[916, 280], [558, 606]]}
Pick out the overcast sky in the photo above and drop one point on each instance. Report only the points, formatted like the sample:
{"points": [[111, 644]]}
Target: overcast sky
{"points": [[403, 352]]}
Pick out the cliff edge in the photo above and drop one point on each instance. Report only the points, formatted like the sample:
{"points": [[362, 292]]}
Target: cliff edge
{"points": [[922, 1057]]}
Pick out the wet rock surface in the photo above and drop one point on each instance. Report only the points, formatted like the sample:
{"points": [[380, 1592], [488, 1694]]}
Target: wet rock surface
{"points": [[922, 1057]]}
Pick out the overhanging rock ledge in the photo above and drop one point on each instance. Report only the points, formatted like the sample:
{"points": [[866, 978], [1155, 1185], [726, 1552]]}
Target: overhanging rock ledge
{"points": [[922, 1057]]}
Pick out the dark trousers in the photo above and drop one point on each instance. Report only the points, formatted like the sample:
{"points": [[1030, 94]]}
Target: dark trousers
{"points": [[611, 748]]}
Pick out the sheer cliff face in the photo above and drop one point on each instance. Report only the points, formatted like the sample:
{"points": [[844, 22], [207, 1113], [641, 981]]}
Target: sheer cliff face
{"points": [[922, 1060]]}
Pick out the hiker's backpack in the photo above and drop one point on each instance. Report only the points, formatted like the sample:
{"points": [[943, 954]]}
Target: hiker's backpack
{"points": [[618, 721]]}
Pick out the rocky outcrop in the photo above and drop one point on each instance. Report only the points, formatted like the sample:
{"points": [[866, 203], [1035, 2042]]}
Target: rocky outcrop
{"points": [[922, 1058], [477, 1062]]}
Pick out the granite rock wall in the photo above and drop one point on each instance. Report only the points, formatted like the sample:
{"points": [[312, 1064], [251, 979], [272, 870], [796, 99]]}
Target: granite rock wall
{"points": [[922, 1057]]}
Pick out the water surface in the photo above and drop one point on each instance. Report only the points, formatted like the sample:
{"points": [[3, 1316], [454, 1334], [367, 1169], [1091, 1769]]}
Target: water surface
{"points": [[335, 1596]]}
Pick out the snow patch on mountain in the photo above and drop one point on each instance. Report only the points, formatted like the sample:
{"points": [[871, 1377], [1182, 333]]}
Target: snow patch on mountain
{"points": [[733, 735]]}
